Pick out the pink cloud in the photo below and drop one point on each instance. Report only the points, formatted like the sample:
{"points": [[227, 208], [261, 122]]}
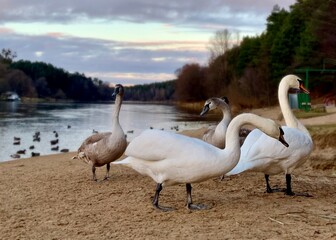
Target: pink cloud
{"points": [[164, 43], [55, 34], [4, 30]]}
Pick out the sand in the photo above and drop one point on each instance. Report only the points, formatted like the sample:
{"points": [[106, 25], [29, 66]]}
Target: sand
{"points": [[53, 197]]}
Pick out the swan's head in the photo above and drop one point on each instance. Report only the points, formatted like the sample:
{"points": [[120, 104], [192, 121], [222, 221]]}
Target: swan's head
{"points": [[295, 82], [274, 130], [118, 90], [213, 103]]}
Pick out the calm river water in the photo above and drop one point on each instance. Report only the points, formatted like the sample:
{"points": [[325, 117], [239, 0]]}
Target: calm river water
{"points": [[73, 122]]}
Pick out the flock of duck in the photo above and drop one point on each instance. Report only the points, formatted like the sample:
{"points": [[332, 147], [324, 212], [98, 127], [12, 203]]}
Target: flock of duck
{"points": [[37, 138], [170, 158]]}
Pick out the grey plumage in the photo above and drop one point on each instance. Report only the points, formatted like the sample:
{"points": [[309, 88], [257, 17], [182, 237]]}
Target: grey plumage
{"points": [[102, 148], [215, 135]]}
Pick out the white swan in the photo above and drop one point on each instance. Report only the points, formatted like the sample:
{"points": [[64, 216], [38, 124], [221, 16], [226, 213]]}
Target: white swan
{"points": [[215, 135], [261, 153], [170, 158], [103, 148]]}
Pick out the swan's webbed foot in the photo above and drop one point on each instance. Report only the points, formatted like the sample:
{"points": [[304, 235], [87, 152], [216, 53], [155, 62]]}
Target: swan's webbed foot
{"points": [[156, 200], [275, 189], [192, 206], [291, 193], [222, 177], [272, 190], [163, 208]]}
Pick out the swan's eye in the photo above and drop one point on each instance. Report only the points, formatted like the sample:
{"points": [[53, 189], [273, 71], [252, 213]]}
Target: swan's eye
{"points": [[226, 100]]}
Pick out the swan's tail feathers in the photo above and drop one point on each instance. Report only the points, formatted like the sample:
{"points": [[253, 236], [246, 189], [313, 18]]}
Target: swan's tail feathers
{"points": [[239, 168], [83, 157], [232, 172], [124, 161]]}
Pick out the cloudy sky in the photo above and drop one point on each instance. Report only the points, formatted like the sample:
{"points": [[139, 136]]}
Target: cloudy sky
{"points": [[125, 41]]}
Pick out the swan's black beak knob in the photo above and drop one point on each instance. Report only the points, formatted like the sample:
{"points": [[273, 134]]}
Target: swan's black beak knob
{"points": [[282, 139], [205, 110]]}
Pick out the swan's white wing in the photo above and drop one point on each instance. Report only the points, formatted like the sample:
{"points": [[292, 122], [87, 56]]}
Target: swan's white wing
{"points": [[155, 145], [250, 141], [171, 158], [265, 154]]}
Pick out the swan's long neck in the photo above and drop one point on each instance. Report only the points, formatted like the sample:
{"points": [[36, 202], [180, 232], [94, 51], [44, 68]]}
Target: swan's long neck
{"points": [[227, 116], [232, 133], [115, 116], [232, 149], [290, 119]]}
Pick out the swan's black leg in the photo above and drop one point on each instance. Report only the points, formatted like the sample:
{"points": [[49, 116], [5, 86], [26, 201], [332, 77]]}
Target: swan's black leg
{"points": [[94, 178], [268, 186], [107, 176], [190, 205], [289, 188], [156, 199], [289, 185]]}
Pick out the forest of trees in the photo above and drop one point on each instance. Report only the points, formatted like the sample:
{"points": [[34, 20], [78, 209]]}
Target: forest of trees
{"points": [[42, 80], [247, 71], [162, 91], [250, 72]]}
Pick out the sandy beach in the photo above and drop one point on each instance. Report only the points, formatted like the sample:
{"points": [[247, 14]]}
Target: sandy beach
{"points": [[53, 197]]}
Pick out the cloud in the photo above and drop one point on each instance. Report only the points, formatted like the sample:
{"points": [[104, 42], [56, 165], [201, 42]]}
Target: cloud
{"points": [[125, 40], [219, 13], [4, 30], [132, 78], [110, 60]]}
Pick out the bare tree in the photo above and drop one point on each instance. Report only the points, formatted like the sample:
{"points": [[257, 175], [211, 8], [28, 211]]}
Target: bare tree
{"points": [[237, 40], [219, 44], [7, 55]]}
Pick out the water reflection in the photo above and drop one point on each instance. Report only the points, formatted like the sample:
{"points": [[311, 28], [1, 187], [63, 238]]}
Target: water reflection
{"points": [[9, 107], [76, 121]]}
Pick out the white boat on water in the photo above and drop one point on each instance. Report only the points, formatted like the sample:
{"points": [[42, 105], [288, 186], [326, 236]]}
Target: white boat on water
{"points": [[10, 96]]}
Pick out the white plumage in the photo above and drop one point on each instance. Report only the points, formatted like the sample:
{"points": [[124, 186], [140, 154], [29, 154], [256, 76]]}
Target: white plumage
{"points": [[170, 158], [103, 148], [261, 153]]}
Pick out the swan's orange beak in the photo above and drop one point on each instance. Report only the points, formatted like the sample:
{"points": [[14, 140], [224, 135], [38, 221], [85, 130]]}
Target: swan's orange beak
{"points": [[303, 89]]}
